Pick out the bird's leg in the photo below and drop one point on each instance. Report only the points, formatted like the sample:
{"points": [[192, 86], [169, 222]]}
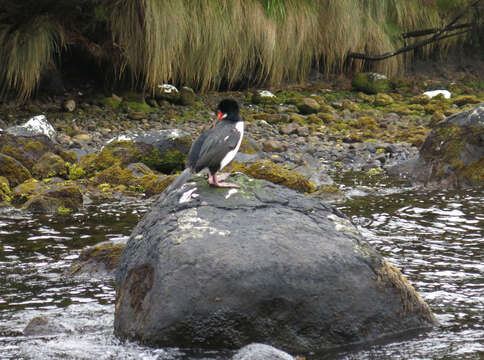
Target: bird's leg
{"points": [[212, 180]]}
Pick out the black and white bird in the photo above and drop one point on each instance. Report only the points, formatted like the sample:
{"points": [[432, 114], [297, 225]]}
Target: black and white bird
{"points": [[215, 148]]}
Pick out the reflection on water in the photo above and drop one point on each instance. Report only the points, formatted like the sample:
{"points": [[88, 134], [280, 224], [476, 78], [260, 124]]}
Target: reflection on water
{"points": [[435, 238]]}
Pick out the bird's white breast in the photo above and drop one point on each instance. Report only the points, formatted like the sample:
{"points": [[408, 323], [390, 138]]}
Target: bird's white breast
{"points": [[239, 126]]}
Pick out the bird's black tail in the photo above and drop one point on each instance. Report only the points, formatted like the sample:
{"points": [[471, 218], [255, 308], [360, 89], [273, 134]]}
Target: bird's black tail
{"points": [[179, 181]]}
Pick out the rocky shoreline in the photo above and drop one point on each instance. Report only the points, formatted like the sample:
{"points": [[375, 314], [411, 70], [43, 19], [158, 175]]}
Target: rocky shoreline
{"points": [[312, 131]]}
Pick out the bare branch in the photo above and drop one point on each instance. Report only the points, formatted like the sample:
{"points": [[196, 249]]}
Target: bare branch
{"points": [[404, 49], [438, 35], [433, 31]]}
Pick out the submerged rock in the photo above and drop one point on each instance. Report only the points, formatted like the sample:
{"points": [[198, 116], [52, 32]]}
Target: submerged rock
{"points": [[452, 155], [41, 326], [227, 267]]}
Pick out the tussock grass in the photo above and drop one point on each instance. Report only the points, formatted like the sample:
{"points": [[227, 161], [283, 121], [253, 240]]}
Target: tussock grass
{"points": [[209, 44], [26, 51]]}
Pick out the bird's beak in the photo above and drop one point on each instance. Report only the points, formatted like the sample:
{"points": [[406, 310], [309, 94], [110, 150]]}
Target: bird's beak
{"points": [[220, 115]]}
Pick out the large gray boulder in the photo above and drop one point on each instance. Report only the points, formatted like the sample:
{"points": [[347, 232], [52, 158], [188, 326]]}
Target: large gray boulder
{"points": [[161, 150], [224, 268], [452, 156]]}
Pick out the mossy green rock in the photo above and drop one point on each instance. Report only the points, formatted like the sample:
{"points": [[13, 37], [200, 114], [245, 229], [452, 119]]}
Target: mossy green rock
{"points": [[153, 184], [26, 149], [350, 105], [466, 99], [112, 101], [452, 156], [263, 98], [5, 192], [114, 175], [101, 258], [29, 188], [308, 106], [370, 83], [270, 171], [136, 107], [50, 165], [13, 170], [67, 196], [383, 99], [186, 96]]}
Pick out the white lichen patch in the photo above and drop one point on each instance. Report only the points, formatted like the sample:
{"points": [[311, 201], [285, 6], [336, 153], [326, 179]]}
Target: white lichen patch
{"points": [[191, 226], [345, 226], [167, 88], [187, 196], [231, 192], [434, 93]]}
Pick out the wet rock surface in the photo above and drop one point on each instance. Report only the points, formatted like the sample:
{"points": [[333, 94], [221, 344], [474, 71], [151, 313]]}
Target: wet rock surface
{"points": [[224, 268], [452, 156]]}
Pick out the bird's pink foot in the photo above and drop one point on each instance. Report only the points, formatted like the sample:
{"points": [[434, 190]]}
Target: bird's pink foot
{"points": [[213, 181]]}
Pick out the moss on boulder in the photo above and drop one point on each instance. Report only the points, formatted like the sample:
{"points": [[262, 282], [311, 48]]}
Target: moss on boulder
{"points": [[383, 99], [50, 165], [114, 175], [56, 196], [270, 171], [5, 192], [465, 100], [452, 155], [29, 188], [13, 170], [26, 150], [100, 258], [153, 184], [308, 106], [370, 83]]}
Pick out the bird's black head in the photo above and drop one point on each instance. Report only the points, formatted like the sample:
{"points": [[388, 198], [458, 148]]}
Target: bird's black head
{"points": [[228, 106]]}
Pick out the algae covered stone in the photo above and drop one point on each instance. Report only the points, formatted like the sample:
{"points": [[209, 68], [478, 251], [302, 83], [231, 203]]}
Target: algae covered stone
{"points": [[270, 171], [452, 155], [26, 149], [383, 99], [370, 83], [308, 106], [67, 196], [50, 165], [13, 170]]}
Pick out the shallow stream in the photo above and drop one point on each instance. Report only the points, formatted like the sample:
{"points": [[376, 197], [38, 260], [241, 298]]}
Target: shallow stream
{"points": [[435, 238]]}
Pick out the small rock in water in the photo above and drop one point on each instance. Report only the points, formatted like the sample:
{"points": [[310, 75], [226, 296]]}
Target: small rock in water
{"points": [[40, 325], [258, 351]]}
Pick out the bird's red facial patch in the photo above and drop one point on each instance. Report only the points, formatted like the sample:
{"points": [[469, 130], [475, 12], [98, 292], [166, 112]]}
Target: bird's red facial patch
{"points": [[220, 115]]}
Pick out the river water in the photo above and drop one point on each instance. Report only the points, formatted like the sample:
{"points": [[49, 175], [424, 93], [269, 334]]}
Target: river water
{"points": [[435, 238]]}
